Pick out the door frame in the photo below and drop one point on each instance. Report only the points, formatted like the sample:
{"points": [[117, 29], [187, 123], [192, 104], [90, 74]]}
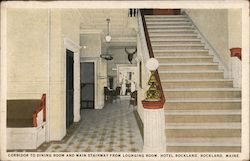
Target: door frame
{"points": [[91, 60], [75, 48], [70, 56]]}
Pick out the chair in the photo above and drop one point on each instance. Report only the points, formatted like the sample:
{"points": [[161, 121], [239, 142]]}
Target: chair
{"points": [[133, 99], [116, 93], [128, 88], [107, 95]]}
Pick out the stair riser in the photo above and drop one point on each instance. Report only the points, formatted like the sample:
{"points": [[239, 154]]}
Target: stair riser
{"points": [[185, 60], [206, 149], [167, 19], [196, 84], [202, 94], [187, 67], [177, 47], [191, 75], [172, 37], [202, 118], [165, 16], [177, 40], [167, 23], [195, 133], [182, 27], [157, 54], [187, 53], [202, 105], [174, 31], [153, 43]]}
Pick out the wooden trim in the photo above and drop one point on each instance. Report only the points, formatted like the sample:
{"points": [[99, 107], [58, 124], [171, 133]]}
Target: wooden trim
{"points": [[139, 123], [236, 52], [153, 104], [42, 106], [158, 104], [161, 11]]}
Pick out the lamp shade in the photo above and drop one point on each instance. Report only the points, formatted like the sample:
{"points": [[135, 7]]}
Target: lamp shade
{"points": [[108, 38], [152, 64]]}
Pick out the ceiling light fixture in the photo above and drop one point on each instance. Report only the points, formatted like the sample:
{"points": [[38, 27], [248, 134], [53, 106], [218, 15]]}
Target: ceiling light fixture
{"points": [[108, 37]]}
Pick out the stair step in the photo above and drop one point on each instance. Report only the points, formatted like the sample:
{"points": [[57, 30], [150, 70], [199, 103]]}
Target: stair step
{"points": [[203, 112], [155, 30], [171, 34], [176, 47], [190, 52], [202, 93], [175, 42], [165, 16], [227, 144], [179, 40], [205, 133], [181, 51], [202, 104], [191, 74], [202, 118], [184, 59], [187, 66], [169, 23], [234, 141], [203, 125], [174, 37], [167, 20], [200, 83], [169, 27], [179, 45]]}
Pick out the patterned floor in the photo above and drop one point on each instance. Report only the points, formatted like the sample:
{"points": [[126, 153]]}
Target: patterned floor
{"points": [[111, 129]]}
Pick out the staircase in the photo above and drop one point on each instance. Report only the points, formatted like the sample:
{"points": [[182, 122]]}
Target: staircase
{"points": [[202, 109]]}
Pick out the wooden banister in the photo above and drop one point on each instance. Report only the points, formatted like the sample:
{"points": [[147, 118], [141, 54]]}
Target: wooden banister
{"points": [[42, 106], [236, 52], [151, 55]]}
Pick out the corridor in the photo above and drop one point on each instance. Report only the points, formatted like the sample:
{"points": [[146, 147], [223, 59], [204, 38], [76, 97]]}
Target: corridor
{"points": [[111, 129]]}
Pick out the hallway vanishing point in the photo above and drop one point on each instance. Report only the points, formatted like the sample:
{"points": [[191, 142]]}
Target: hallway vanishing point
{"points": [[111, 129]]}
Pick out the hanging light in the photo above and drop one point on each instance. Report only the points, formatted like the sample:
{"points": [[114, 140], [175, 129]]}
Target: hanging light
{"points": [[108, 37], [107, 56]]}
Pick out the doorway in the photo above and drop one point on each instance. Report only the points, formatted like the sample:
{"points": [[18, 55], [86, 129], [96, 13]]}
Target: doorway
{"points": [[87, 85], [69, 88]]}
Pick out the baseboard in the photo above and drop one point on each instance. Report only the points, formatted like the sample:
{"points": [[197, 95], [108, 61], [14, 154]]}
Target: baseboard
{"points": [[139, 123]]}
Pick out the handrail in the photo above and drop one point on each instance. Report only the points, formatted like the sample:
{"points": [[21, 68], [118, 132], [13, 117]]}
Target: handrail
{"points": [[151, 54]]}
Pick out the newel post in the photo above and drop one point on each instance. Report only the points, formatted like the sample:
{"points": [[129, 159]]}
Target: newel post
{"points": [[154, 118]]}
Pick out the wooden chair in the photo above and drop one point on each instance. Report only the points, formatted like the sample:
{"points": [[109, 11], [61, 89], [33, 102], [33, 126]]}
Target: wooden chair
{"points": [[133, 99], [116, 93], [107, 95]]}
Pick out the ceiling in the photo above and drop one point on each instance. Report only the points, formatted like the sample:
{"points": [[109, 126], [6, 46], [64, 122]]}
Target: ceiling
{"points": [[122, 27]]}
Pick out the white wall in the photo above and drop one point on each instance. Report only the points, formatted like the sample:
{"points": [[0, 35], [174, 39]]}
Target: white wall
{"points": [[234, 28], [27, 53], [119, 57], [213, 23], [92, 53], [234, 35], [36, 59]]}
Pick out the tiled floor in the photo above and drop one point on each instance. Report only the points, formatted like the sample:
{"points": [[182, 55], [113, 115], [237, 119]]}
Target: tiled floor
{"points": [[111, 129]]}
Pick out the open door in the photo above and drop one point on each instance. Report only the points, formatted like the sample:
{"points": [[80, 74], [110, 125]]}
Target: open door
{"points": [[69, 88], [88, 85]]}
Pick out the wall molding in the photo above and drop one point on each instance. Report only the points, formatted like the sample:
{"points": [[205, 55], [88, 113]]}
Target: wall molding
{"points": [[71, 45], [91, 31]]}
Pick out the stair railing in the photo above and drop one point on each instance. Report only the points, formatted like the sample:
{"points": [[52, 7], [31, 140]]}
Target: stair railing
{"points": [[132, 12], [151, 53], [154, 139]]}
